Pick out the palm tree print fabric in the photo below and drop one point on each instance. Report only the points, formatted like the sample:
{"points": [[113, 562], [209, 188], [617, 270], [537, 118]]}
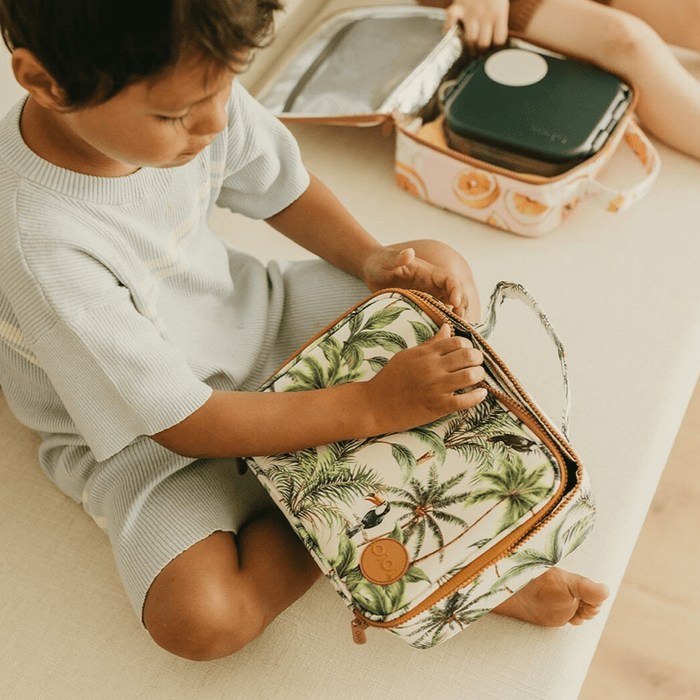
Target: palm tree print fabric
{"points": [[450, 493]]}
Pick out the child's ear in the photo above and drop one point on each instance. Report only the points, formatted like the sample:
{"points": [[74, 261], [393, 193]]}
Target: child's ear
{"points": [[37, 81]]}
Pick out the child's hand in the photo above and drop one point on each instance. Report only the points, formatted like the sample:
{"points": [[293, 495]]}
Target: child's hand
{"points": [[485, 22], [428, 266], [418, 385]]}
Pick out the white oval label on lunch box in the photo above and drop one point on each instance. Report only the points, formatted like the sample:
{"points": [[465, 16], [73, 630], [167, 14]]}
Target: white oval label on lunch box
{"points": [[515, 67]]}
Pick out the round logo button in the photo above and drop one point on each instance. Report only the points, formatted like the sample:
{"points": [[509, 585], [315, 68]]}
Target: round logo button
{"points": [[515, 67], [384, 561]]}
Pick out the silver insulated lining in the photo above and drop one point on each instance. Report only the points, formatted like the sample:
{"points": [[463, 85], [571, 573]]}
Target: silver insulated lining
{"points": [[367, 61]]}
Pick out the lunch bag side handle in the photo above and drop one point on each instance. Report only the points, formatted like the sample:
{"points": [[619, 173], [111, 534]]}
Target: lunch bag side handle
{"points": [[512, 290], [618, 200]]}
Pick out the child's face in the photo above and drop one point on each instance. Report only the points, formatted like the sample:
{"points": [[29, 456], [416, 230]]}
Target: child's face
{"points": [[162, 122]]}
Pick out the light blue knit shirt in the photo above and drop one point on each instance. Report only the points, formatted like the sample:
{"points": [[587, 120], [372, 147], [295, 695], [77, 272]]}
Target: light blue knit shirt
{"points": [[120, 310]]}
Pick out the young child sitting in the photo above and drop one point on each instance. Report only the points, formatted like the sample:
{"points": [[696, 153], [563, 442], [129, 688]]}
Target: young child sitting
{"points": [[133, 339], [626, 37]]}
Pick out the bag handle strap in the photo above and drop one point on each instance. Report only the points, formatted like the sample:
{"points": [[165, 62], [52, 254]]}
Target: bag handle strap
{"points": [[619, 200], [512, 290]]}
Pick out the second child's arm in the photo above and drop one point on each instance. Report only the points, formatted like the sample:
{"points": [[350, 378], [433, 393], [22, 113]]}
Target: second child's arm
{"points": [[415, 387]]}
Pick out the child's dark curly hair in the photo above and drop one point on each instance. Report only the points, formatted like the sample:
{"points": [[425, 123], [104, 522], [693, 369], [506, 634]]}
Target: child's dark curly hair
{"points": [[95, 48]]}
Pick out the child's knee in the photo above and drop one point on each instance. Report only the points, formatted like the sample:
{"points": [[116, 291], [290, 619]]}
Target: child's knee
{"points": [[630, 43], [208, 625], [691, 25], [691, 15]]}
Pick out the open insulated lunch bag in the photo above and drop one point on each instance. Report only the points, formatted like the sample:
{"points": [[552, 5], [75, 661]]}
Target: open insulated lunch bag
{"points": [[393, 65], [425, 531]]}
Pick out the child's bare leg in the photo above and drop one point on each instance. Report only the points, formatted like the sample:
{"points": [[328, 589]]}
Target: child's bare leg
{"points": [[677, 21], [669, 97], [220, 594], [556, 598]]}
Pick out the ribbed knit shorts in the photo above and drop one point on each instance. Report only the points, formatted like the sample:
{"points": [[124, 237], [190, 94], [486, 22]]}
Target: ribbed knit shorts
{"points": [[521, 12], [157, 515]]}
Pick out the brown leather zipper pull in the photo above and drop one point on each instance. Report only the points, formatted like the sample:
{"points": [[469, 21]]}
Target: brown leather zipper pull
{"points": [[359, 628]]}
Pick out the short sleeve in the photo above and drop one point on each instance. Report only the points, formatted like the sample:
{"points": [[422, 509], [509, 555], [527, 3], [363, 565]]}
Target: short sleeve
{"points": [[117, 378], [264, 172], [115, 372]]}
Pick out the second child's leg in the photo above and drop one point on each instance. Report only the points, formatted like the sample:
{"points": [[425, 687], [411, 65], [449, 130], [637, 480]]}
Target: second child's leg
{"points": [[677, 21], [669, 97]]}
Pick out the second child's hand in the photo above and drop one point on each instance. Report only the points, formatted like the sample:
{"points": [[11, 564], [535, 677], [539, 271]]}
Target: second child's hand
{"points": [[485, 22]]}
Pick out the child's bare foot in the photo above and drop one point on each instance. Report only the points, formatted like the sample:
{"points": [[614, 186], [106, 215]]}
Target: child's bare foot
{"points": [[555, 598]]}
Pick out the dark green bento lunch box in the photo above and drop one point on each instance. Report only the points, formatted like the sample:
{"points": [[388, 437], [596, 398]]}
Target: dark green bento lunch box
{"points": [[532, 112]]}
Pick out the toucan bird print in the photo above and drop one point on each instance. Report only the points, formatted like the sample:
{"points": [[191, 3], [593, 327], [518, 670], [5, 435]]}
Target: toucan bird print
{"points": [[515, 442], [372, 517]]}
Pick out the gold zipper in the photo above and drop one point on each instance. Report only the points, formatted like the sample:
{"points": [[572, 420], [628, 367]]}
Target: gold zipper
{"points": [[524, 532], [499, 551], [360, 623]]}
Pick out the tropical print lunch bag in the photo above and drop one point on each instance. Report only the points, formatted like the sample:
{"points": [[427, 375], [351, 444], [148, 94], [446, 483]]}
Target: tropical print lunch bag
{"points": [[425, 531]]}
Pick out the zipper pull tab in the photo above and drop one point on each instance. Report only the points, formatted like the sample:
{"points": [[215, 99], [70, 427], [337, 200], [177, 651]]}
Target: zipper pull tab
{"points": [[358, 631]]}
